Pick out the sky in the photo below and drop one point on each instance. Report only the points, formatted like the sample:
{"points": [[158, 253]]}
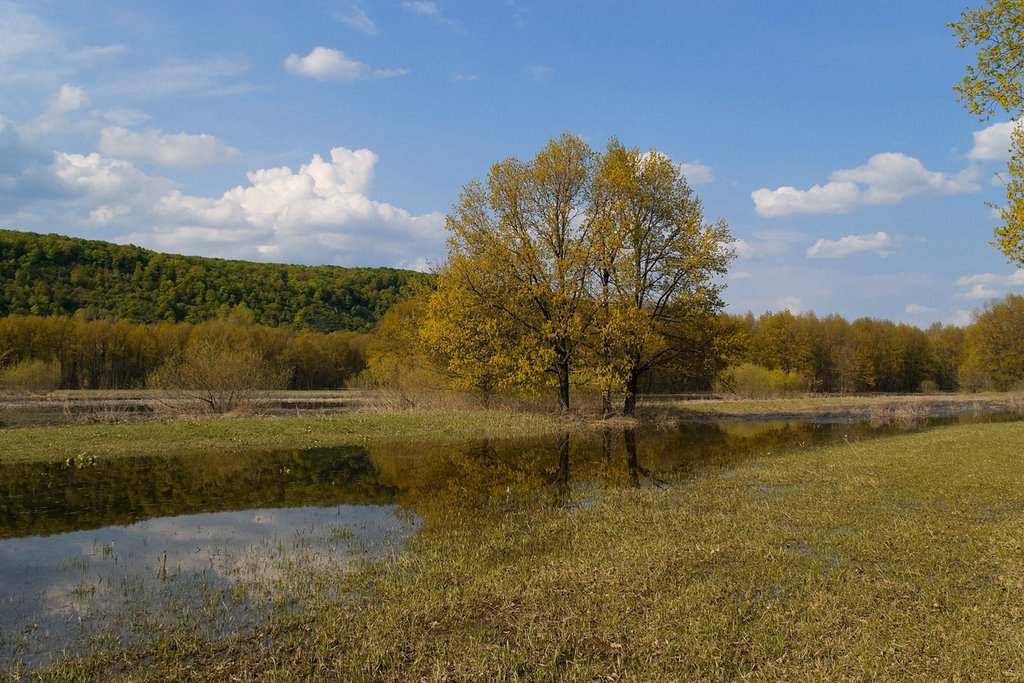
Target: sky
{"points": [[826, 134]]}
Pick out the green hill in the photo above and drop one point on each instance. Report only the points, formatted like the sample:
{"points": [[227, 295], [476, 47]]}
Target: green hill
{"points": [[57, 275]]}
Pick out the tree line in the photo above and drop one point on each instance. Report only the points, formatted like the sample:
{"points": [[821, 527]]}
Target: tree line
{"points": [[52, 275], [808, 353], [770, 354], [70, 353]]}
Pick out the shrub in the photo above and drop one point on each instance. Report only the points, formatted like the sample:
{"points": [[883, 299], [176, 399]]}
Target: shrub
{"points": [[753, 381], [215, 377], [31, 375]]}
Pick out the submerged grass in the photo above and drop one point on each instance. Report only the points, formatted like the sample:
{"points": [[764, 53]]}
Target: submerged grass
{"points": [[898, 559]]}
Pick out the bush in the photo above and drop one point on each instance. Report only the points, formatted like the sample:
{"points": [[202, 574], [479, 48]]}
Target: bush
{"points": [[31, 375], [215, 377], [753, 381]]}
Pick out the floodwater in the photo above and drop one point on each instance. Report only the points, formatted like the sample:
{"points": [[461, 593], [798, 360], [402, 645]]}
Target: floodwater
{"points": [[92, 549]]}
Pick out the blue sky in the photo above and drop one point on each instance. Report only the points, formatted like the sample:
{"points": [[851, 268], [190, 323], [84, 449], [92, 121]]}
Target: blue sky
{"points": [[340, 131]]}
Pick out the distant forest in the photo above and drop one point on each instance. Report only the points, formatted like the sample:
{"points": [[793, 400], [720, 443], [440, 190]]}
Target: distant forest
{"points": [[53, 275]]}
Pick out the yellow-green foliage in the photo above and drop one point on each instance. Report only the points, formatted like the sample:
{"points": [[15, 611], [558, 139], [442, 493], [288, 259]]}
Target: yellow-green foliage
{"points": [[995, 82], [100, 354], [753, 381], [397, 361], [31, 375], [995, 347]]}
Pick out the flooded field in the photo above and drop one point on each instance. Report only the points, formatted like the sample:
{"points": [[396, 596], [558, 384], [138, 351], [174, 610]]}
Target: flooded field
{"points": [[94, 549]]}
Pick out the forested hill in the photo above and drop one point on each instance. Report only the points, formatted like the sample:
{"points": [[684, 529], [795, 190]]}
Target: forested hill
{"points": [[56, 275]]}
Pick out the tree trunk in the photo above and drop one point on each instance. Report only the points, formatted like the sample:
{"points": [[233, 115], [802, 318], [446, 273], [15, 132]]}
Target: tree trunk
{"points": [[562, 372], [632, 385]]}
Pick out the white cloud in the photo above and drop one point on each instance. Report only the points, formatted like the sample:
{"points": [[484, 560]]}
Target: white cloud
{"points": [[992, 143], [743, 249], [878, 242], [99, 180], [321, 213], [963, 318], [887, 178], [916, 309], [68, 99], [215, 77], [99, 52], [793, 304], [21, 33], [767, 244], [426, 8], [697, 173], [982, 286], [328, 64], [165, 149], [354, 16]]}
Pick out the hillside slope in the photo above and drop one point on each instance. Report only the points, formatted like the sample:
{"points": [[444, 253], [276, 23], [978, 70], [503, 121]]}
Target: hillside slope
{"points": [[57, 275]]}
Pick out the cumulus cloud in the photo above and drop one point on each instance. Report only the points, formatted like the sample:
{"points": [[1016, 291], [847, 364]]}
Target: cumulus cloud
{"points": [[916, 309], [992, 143], [69, 98], [887, 178], [328, 64], [697, 173], [879, 242], [320, 213], [98, 180], [165, 149]]}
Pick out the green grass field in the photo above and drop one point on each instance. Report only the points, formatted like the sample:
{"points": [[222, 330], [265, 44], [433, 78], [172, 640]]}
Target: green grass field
{"points": [[892, 559], [33, 444]]}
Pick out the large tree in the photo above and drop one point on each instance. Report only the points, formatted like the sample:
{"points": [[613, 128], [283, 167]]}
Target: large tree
{"points": [[657, 261], [520, 250], [995, 82], [575, 261]]}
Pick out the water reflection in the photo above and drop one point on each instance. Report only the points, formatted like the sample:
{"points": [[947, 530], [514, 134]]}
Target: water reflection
{"points": [[61, 590], [48, 498]]}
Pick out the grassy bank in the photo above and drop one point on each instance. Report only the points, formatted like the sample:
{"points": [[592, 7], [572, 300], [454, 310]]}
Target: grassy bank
{"points": [[852, 406], [896, 559], [26, 444]]}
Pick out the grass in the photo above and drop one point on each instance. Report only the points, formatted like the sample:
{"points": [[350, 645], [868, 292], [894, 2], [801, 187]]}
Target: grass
{"points": [[852, 405], [892, 559], [58, 443]]}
